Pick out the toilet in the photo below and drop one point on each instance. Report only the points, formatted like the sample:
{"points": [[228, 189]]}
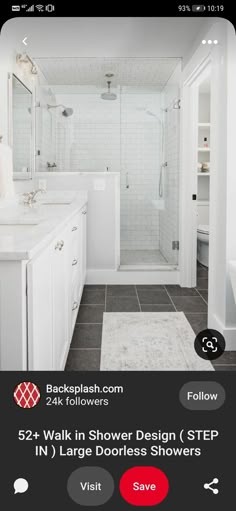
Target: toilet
{"points": [[203, 232]]}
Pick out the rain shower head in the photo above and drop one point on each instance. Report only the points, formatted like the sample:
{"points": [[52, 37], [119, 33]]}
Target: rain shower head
{"points": [[109, 95], [66, 111]]}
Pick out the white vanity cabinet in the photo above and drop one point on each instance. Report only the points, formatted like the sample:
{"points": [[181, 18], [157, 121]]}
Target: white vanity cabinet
{"points": [[48, 287], [55, 285], [78, 266], [37, 321]]}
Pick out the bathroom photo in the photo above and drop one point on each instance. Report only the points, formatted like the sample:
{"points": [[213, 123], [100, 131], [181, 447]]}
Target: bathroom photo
{"points": [[117, 193]]}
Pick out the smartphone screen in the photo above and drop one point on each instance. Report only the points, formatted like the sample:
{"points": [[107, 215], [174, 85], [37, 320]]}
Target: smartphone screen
{"points": [[117, 258]]}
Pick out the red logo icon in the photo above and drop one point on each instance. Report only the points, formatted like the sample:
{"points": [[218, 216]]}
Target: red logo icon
{"points": [[26, 394], [144, 486]]}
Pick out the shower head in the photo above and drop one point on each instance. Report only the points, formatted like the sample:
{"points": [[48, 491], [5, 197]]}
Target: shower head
{"points": [[109, 95], [66, 111]]}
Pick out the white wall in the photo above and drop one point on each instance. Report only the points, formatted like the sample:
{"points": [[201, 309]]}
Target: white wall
{"points": [[8, 65], [221, 308]]}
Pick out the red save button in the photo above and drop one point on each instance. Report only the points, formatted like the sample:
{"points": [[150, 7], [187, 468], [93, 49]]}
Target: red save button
{"points": [[144, 486]]}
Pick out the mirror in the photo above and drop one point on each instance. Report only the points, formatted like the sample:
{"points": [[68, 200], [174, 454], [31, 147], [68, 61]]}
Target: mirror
{"points": [[22, 129]]}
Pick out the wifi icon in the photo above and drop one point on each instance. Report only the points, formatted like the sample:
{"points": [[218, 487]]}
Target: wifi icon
{"points": [[40, 7]]}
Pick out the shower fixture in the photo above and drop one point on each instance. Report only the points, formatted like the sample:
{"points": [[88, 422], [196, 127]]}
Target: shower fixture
{"points": [[175, 105], [108, 95], [66, 110]]}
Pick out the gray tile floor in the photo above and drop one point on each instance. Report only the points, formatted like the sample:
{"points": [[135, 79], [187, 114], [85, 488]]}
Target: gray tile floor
{"points": [[85, 349]]}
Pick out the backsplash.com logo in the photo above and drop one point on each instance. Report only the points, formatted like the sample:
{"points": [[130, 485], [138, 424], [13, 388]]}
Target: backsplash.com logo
{"points": [[26, 394]]}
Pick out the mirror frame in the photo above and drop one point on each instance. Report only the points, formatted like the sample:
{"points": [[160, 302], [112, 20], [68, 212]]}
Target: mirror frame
{"points": [[21, 176]]}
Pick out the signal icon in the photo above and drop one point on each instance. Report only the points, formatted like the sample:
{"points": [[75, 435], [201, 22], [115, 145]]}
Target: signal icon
{"points": [[31, 9]]}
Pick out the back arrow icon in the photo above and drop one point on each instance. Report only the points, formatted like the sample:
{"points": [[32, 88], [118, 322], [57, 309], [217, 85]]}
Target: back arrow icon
{"points": [[24, 41]]}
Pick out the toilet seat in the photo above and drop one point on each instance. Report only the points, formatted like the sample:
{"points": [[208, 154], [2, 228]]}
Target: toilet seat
{"points": [[203, 229]]}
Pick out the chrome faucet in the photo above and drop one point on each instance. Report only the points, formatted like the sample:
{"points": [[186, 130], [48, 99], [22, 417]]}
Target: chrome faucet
{"points": [[29, 197]]}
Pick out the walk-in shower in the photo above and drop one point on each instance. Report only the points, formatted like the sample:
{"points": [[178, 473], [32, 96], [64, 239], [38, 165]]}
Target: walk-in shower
{"points": [[126, 121], [150, 167]]}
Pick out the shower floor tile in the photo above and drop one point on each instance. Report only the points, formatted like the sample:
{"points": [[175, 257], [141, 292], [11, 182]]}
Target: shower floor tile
{"points": [[129, 257]]}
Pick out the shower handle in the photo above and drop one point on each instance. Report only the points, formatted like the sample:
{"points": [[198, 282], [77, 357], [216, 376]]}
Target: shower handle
{"points": [[127, 180], [163, 165]]}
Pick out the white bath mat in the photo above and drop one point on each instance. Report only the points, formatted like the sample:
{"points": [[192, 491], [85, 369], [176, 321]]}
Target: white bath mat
{"points": [[149, 341]]}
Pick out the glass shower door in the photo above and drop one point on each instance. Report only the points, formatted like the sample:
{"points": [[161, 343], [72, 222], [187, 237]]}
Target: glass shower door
{"points": [[149, 186]]}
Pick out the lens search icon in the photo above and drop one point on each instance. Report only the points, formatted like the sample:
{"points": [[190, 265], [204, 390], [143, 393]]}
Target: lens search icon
{"points": [[20, 485]]}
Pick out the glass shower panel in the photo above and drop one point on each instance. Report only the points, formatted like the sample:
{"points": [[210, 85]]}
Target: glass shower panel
{"points": [[149, 186], [169, 214]]}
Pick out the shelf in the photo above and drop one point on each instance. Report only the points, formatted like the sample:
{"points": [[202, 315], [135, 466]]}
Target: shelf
{"points": [[203, 174], [204, 124], [204, 149]]}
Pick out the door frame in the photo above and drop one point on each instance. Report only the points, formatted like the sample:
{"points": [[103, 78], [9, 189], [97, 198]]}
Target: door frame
{"points": [[188, 176]]}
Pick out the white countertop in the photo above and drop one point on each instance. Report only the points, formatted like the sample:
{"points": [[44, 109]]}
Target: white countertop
{"points": [[39, 224]]}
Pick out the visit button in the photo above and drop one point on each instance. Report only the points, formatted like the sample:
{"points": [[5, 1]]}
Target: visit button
{"points": [[144, 486]]}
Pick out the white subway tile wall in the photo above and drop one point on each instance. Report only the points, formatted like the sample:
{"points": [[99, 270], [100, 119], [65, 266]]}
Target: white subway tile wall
{"points": [[140, 157], [89, 140]]}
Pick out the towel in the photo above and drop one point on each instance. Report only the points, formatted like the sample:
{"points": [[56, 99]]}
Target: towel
{"points": [[6, 173]]}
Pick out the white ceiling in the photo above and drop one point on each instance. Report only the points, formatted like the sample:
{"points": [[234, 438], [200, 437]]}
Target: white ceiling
{"points": [[91, 71]]}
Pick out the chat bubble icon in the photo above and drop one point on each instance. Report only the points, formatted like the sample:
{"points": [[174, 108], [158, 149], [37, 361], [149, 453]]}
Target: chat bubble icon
{"points": [[20, 485]]}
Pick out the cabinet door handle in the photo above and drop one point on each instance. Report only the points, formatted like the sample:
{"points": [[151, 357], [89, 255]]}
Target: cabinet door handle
{"points": [[74, 262], [75, 306], [59, 245], [74, 228]]}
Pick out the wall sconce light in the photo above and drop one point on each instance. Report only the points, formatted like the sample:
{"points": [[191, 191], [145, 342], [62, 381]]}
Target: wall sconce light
{"points": [[23, 58]]}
